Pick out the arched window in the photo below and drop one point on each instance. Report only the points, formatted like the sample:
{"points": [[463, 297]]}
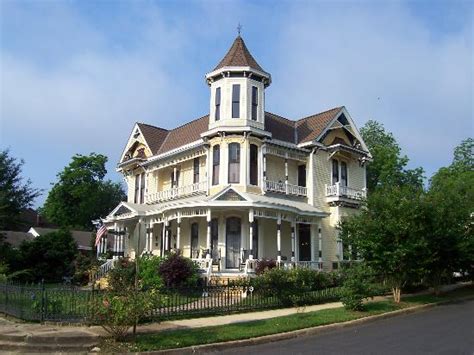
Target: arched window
{"points": [[253, 164], [335, 171], [194, 251], [216, 159], [234, 163]]}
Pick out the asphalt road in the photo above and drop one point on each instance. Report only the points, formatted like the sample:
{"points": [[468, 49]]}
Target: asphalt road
{"points": [[447, 329]]}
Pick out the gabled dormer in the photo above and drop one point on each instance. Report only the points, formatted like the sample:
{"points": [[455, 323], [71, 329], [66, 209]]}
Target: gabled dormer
{"points": [[237, 87]]}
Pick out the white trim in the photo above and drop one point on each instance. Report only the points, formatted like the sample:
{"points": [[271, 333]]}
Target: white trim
{"points": [[169, 153], [225, 128], [135, 127]]}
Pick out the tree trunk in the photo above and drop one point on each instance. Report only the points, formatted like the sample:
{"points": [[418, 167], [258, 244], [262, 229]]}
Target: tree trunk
{"points": [[396, 292]]}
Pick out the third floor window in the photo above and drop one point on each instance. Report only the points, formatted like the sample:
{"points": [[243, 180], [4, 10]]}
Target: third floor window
{"points": [[235, 101], [254, 102], [196, 170], [217, 115]]}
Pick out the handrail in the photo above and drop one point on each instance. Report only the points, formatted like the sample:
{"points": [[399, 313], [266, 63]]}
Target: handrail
{"points": [[104, 268], [176, 192], [285, 188], [338, 190]]}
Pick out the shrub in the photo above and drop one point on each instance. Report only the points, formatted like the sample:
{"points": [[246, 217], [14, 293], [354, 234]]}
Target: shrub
{"points": [[148, 272], [84, 264], [177, 271], [118, 312], [357, 285], [264, 265], [122, 277]]}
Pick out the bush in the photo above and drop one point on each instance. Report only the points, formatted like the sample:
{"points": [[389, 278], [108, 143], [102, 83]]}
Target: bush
{"points": [[118, 312], [264, 265], [122, 277], [83, 266], [357, 285], [148, 272], [177, 271]]}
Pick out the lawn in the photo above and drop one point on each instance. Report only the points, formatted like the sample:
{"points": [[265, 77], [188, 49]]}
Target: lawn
{"points": [[207, 335]]}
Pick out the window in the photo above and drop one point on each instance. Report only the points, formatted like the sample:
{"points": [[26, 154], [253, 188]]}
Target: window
{"points": [[196, 170], [234, 163], [302, 175], [194, 241], [343, 173], [217, 114], [235, 101], [137, 188], [174, 181], [335, 171], [253, 164], [254, 102], [142, 188], [216, 157]]}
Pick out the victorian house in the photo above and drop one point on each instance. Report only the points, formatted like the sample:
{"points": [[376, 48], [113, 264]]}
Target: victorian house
{"points": [[240, 183]]}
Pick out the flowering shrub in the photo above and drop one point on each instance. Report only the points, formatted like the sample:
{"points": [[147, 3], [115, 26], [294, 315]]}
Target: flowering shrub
{"points": [[122, 277], [118, 312]]}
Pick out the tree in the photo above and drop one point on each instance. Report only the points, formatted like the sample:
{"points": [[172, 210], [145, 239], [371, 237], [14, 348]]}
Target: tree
{"points": [[82, 194], [451, 204], [50, 256], [15, 193], [388, 235], [388, 166]]}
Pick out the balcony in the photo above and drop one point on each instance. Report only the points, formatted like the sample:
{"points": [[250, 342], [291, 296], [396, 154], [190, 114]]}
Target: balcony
{"points": [[338, 192], [177, 192], [285, 188]]}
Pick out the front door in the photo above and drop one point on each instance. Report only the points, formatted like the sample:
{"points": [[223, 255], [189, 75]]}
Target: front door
{"points": [[304, 238], [232, 242]]}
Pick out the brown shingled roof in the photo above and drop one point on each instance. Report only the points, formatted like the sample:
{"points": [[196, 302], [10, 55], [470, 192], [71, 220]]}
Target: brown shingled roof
{"points": [[154, 136], [281, 128], [238, 56], [310, 127], [184, 134]]}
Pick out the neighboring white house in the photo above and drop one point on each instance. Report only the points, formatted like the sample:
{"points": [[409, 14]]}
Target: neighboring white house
{"points": [[241, 183]]}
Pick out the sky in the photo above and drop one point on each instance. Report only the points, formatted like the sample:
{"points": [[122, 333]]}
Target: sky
{"points": [[76, 75]]}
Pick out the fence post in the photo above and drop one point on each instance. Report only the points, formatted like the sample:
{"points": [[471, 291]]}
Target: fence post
{"points": [[42, 300]]}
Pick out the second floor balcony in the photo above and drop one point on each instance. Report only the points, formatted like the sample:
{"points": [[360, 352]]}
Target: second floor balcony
{"points": [[177, 192], [339, 192], [285, 188]]}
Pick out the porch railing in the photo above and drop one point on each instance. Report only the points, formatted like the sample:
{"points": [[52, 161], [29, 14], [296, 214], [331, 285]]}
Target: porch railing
{"points": [[285, 188], [176, 192], [104, 269], [338, 190], [313, 265]]}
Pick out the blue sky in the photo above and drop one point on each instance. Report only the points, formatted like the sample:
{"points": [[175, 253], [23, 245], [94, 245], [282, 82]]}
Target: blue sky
{"points": [[76, 75]]}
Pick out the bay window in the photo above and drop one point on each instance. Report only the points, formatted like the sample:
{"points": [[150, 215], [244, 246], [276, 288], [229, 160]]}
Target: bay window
{"points": [[216, 157], [234, 163]]}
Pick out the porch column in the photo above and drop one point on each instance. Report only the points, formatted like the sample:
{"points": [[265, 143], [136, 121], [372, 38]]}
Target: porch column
{"points": [[146, 239], [264, 173], [286, 173], [251, 224], [104, 245], [163, 239], [293, 235], [168, 235], [165, 236], [114, 246], [122, 231], [208, 235], [150, 240], [279, 238], [178, 232], [320, 244]]}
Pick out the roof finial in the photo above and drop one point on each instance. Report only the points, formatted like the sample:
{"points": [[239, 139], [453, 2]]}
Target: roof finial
{"points": [[239, 29]]}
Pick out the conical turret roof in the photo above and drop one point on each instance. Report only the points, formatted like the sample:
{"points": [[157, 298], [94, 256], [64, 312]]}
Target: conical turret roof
{"points": [[239, 56]]}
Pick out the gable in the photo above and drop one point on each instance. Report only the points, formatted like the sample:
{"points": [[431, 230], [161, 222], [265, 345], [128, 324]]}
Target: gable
{"points": [[228, 194]]}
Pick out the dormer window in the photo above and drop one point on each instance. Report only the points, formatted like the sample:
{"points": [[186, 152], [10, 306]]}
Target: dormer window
{"points": [[236, 101], [217, 113], [254, 102]]}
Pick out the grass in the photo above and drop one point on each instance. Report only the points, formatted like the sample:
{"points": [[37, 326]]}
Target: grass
{"points": [[207, 335]]}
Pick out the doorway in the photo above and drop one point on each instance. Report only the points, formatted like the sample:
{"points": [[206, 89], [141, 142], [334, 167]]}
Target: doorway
{"points": [[304, 242], [232, 243]]}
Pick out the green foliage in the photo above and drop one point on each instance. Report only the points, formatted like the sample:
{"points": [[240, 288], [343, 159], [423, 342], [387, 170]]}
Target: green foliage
{"points": [[388, 166], [81, 193], [49, 256], [289, 285], [357, 285], [389, 234], [178, 271], [15, 193], [148, 272], [84, 263], [464, 155], [122, 277], [117, 312]]}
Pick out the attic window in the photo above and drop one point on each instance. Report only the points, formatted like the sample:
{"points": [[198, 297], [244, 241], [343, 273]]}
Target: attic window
{"points": [[136, 134], [343, 120]]}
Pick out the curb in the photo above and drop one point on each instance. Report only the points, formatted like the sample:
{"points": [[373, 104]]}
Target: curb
{"points": [[300, 332]]}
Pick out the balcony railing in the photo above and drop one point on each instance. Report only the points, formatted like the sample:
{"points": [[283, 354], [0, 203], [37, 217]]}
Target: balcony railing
{"points": [[285, 188], [177, 192], [337, 190]]}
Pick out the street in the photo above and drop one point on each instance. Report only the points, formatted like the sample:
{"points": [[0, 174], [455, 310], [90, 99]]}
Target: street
{"points": [[447, 329]]}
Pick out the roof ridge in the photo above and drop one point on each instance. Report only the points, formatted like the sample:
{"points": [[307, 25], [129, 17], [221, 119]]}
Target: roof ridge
{"points": [[185, 124], [319, 113]]}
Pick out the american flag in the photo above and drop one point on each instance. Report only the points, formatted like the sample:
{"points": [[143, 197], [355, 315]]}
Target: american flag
{"points": [[100, 232]]}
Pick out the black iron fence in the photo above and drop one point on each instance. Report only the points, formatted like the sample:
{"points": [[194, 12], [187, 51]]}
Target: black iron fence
{"points": [[41, 302]]}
